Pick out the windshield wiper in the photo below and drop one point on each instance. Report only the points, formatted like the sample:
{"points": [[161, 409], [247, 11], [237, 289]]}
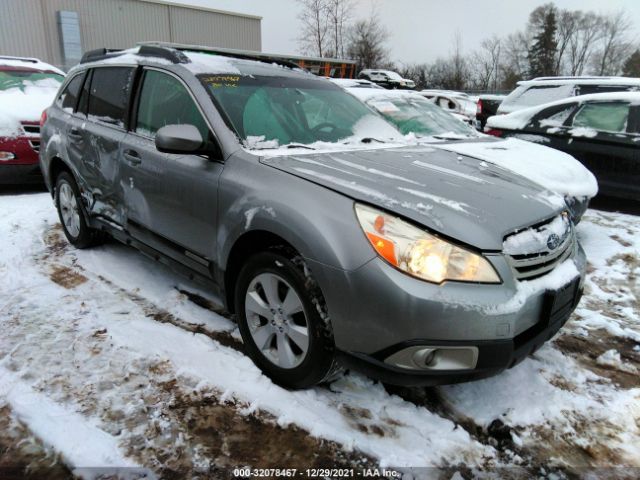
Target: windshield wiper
{"points": [[299, 145], [371, 140]]}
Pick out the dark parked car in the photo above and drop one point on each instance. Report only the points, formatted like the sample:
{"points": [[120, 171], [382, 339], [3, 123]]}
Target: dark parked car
{"points": [[487, 107], [294, 202], [601, 130]]}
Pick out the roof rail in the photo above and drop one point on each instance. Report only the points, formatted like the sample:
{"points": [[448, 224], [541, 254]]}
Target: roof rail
{"points": [[583, 77], [226, 52], [21, 59]]}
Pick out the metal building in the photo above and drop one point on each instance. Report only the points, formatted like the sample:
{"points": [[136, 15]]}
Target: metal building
{"points": [[59, 31]]}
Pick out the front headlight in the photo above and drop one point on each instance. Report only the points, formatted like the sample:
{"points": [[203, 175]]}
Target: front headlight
{"points": [[420, 253]]}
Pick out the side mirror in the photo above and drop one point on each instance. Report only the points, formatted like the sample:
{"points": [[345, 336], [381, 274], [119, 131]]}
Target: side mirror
{"points": [[179, 139]]}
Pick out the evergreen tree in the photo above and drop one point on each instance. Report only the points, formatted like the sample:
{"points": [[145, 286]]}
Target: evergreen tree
{"points": [[632, 65], [544, 48]]}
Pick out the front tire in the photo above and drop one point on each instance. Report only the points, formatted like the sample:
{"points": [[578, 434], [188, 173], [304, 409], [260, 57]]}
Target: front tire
{"points": [[69, 206], [283, 322]]}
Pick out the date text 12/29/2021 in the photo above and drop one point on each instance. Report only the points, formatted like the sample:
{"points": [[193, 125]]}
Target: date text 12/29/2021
{"points": [[334, 473]]}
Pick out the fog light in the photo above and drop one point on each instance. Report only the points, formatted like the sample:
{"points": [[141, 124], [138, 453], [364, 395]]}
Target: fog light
{"points": [[5, 156], [439, 357]]}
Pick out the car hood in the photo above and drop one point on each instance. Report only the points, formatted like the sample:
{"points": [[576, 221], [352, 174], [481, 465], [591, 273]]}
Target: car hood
{"points": [[552, 169], [26, 105], [476, 203]]}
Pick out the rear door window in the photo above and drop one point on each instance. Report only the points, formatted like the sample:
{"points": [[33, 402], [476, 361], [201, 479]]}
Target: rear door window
{"points": [[69, 96], [165, 101], [604, 117], [588, 89], [110, 91]]}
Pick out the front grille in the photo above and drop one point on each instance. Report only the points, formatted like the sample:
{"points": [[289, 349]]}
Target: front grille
{"points": [[32, 131], [531, 265]]}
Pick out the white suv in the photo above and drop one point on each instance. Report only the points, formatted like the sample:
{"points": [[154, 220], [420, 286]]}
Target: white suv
{"points": [[541, 90]]}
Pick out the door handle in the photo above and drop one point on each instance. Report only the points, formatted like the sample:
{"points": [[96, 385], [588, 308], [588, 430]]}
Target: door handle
{"points": [[132, 157], [75, 133]]}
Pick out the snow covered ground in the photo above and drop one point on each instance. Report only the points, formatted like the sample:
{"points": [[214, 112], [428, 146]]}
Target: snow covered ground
{"points": [[108, 359]]}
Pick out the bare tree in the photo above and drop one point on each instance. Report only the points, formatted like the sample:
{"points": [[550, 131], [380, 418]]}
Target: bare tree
{"points": [[339, 14], [615, 46], [516, 62], [486, 63], [315, 27], [460, 70], [581, 44], [568, 22], [367, 42]]}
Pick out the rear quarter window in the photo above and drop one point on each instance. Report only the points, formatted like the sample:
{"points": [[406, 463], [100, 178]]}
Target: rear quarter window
{"points": [[537, 95], [110, 92], [69, 96]]}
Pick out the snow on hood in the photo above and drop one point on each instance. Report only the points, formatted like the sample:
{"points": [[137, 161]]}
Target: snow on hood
{"points": [[477, 205], [17, 105], [554, 170]]}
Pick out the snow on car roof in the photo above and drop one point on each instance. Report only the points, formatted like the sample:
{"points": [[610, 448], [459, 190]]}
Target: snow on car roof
{"points": [[365, 94], [32, 63], [355, 83], [519, 118], [581, 81], [444, 92]]}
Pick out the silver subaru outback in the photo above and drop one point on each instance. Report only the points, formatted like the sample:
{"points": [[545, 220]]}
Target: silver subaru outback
{"points": [[334, 241]]}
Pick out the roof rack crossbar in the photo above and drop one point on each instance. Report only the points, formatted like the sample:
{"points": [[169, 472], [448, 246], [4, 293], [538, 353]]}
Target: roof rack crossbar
{"points": [[171, 54], [99, 54], [226, 52]]}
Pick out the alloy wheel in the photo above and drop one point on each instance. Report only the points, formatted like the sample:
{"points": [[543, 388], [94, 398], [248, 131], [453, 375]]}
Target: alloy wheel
{"points": [[69, 209], [277, 321]]}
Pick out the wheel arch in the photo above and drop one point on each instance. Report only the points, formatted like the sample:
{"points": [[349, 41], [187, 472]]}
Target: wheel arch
{"points": [[250, 243]]}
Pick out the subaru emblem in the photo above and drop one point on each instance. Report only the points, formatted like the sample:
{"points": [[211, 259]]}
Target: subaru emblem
{"points": [[553, 241]]}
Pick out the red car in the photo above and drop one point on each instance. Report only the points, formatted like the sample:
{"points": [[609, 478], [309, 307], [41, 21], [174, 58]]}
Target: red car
{"points": [[27, 87]]}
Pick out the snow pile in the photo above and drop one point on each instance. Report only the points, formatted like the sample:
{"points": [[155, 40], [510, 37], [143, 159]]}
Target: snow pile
{"points": [[611, 358], [583, 132], [554, 170], [534, 240]]}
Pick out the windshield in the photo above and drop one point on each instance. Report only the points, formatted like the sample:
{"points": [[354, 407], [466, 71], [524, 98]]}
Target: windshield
{"points": [[419, 116], [27, 78], [393, 75], [524, 96], [268, 111]]}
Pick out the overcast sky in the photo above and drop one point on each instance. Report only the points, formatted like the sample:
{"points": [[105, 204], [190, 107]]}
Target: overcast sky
{"points": [[420, 30]]}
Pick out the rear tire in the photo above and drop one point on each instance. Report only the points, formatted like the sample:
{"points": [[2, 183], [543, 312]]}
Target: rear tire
{"points": [[69, 205], [283, 321]]}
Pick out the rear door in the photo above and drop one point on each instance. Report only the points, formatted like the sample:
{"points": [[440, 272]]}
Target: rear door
{"points": [[104, 104], [171, 199], [600, 139]]}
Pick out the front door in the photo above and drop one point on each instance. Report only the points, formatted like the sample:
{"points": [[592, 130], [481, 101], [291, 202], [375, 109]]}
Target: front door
{"points": [[170, 199], [600, 140]]}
